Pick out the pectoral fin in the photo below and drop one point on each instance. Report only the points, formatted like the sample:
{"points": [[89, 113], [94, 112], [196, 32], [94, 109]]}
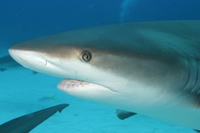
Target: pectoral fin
{"points": [[26, 123], [122, 114]]}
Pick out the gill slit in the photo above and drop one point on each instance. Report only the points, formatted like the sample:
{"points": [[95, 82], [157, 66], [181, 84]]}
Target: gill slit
{"points": [[196, 78], [185, 88], [191, 84]]}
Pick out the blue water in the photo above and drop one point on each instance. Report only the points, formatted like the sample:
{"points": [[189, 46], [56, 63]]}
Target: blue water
{"points": [[22, 92]]}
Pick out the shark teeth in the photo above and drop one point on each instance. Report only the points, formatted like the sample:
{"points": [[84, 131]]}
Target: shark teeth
{"points": [[66, 85], [70, 84]]}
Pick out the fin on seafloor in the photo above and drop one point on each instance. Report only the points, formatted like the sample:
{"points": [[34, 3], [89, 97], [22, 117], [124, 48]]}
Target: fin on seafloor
{"points": [[2, 69], [34, 72], [26, 123], [122, 114]]}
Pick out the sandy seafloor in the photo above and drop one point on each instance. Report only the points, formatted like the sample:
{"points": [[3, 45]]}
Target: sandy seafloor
{"points": [[21, 93]]}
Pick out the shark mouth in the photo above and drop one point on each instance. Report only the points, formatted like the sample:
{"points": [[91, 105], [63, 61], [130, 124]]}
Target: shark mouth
{"points": [[75, 85], [70, 84]]}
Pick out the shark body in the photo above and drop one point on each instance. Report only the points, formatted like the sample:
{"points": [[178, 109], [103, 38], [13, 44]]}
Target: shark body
{"points": [[151, 68]]}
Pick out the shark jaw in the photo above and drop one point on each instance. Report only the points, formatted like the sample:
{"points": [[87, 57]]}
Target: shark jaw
{"points": [[86, 90], [86, 82]]}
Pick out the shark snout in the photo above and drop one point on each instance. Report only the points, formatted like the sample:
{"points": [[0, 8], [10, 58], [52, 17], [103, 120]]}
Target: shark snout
{"points": [[28, 59]]}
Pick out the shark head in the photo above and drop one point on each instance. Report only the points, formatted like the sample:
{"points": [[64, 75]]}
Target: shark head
{"points": [[98, 65], [95, 66], [84, 60], [135, 67]]}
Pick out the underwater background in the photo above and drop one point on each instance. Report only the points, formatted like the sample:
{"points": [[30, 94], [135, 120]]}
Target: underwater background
{"points": [[23, 92]]}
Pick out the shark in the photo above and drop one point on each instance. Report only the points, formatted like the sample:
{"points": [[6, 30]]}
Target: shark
{"points": [[150, 68], [26, 123]]}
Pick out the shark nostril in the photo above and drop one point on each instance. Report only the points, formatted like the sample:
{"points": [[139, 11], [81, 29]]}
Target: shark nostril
{"points": [[45, 62], [40, 59]]}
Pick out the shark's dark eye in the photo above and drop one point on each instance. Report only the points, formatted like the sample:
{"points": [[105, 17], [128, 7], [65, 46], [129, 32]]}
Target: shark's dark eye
{"points": [[86, 56]]}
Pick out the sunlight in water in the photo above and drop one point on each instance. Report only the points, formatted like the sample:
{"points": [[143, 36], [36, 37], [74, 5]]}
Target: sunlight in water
{"points": [[126, 4]]}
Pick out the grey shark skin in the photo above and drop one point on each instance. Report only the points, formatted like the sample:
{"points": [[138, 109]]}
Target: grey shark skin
{"points": [[150, 68], [26, 123]]}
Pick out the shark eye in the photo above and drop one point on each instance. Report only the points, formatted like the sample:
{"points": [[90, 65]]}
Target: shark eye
{"points": [[86, 56]]}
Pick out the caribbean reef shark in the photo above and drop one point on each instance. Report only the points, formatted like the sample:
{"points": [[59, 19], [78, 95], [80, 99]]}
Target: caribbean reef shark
{"points": [[7, 63], [150, 68], [26, 123]]}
